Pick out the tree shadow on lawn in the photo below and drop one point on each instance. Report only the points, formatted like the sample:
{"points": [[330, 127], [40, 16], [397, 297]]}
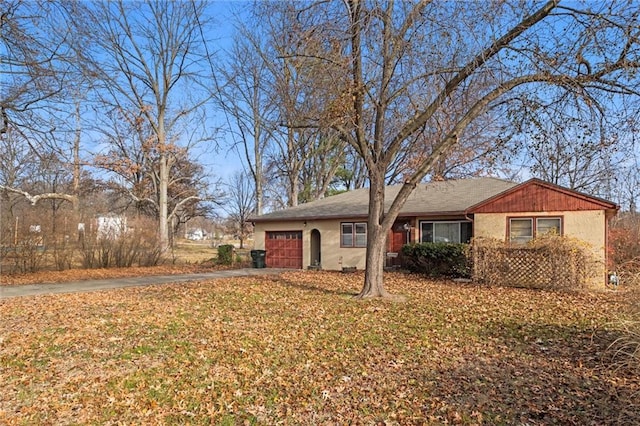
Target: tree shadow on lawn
{"points": [[312, 287], [561, 377], [336, 283]]}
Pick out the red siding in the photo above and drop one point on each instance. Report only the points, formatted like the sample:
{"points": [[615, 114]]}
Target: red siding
{"points": [[535, 197]]}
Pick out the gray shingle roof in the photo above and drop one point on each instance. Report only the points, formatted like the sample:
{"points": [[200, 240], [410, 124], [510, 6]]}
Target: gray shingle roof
{"points": [[447, 197]]}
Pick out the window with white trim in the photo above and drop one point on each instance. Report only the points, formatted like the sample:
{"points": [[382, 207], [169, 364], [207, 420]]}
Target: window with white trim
{"points": [[353, 234], [548, 225], [445, 232], [523, 229], [520, 230]]}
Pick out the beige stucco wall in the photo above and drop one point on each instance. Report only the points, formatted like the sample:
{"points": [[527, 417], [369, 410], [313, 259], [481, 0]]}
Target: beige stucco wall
{"points": [[333, 256], [587, 226]]}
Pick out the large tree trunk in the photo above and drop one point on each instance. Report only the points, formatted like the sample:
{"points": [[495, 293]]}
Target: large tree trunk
{"points": [[163, 227], [76, 156], [163, 184], [374, 278], [292, 169], [377, 230], [257, 172]]}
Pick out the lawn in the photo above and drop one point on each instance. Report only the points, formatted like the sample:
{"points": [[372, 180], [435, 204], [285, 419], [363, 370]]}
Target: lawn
{"points": [[298, 349]]}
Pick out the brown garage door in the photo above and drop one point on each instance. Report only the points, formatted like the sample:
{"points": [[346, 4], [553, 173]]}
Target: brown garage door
{"points": [[284, 249]]}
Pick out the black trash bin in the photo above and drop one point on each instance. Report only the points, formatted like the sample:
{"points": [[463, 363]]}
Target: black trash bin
{"points": [[258, 258]]}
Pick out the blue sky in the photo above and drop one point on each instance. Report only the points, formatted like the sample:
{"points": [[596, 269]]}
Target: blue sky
{"points": [[226, 161]]}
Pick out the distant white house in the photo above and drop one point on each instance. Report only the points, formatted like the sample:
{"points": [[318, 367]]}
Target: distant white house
{"points": [[111, 227], [196, 234]]}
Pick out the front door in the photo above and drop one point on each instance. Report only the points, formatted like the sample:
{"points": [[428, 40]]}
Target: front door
{"points": [[399, 236]]}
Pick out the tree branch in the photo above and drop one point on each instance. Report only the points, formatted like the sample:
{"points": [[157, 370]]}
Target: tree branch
{"points": [[34, 199], [421, 118]]}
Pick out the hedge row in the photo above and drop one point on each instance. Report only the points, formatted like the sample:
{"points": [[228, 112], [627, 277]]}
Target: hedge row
{"points": [[438, 259]]}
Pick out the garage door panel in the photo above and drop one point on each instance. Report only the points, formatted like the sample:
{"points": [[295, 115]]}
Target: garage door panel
{"points": [[284, 249]]}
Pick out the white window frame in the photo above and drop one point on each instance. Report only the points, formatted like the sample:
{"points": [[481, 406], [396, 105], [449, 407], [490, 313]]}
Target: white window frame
{"points": [[358, 239], [534, 220], [436, 222], [538, 219], [522, 239]]}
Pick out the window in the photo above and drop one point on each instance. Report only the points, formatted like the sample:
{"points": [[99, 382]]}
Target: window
{"points": [[548, 225], [353, 234], [284, 235], [445, 232], [523, 229]]}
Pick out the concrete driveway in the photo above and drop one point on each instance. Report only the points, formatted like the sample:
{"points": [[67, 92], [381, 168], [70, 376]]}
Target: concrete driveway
{"points": [[96, 285]]}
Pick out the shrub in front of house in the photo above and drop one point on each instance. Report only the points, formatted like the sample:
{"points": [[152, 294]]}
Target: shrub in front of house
{"points": [[438, 259], [225, 254]]}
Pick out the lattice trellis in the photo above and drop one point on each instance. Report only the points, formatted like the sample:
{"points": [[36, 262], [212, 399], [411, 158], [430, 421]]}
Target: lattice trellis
{"points": [[535, 267]]}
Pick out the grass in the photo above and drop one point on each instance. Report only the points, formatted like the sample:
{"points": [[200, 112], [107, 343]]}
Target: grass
{"points": [[298, 349], [187, 251]]}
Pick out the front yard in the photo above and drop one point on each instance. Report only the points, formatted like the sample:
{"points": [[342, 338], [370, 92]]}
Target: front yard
{"points": [[297, 349]]}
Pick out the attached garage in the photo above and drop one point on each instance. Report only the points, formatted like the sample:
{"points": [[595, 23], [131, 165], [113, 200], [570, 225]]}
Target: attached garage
{"points": [[284, 249]]}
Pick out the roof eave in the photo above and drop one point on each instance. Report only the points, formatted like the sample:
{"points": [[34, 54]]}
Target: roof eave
{"points": [[306, 218], [356, 216], [433, 214]]}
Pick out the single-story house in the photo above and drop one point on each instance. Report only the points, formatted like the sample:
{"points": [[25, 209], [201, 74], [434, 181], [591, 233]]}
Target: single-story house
{"points": [[331, 233]]}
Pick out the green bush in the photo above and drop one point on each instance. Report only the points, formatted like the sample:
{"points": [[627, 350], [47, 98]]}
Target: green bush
{"points": [[225, 254], [438, 259]]}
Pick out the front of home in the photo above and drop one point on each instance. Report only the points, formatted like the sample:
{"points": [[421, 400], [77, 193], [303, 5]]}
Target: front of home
{"points": [[331, 233]]}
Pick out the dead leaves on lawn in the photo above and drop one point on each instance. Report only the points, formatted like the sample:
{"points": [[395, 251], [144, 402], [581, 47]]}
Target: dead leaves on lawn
{"points": [[99, 274], [298, 349]]}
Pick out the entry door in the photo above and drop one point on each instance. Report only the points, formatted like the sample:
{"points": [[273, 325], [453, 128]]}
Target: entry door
{"points": [[398, 237], [284, 249]]}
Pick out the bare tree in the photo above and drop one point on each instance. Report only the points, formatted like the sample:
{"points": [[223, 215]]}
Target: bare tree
{"points": [[34, 60], [246, 97], [484, 149], [625, 183], [573, 159], [302, 164], [146, 56], [240, 205], [405, 62], [327, 155], [352, 175], [132, 163], [38, 72], [17, 166], [266, 86]]}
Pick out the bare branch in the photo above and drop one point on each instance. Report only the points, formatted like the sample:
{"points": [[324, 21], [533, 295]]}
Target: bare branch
{"points": [[34, 199]]}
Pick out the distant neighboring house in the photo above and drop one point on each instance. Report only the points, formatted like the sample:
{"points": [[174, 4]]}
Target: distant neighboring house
{"points": [[111, 226], [196, 234], [332, 232]]}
